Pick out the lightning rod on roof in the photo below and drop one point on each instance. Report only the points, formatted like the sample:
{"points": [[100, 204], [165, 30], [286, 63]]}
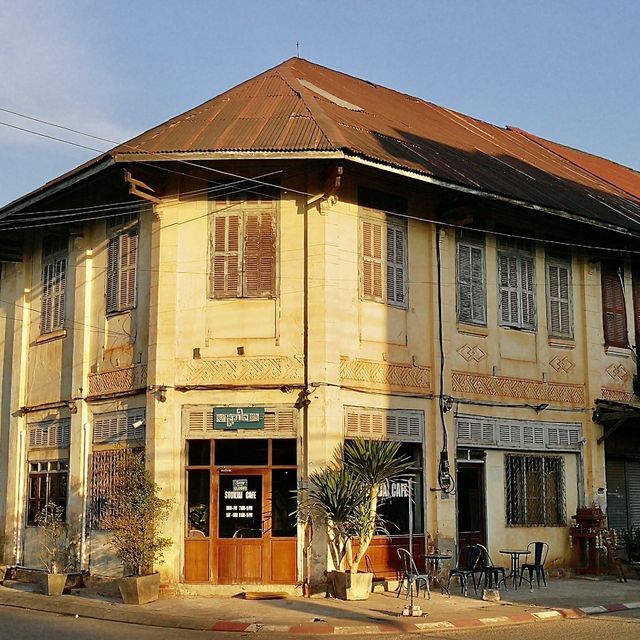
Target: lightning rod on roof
{"points": [[297, 49]]}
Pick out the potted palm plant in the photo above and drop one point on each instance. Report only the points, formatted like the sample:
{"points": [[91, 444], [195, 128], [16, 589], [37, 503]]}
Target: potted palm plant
{"points": [[135, 522], [54, 548], [344, 499]]}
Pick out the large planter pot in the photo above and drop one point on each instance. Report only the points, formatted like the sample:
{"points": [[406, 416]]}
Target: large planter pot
{"points": [[350, 586], [53, 583], [139, 589]]}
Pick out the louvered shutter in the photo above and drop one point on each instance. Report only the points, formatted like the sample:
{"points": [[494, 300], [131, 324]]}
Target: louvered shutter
{"points": [[259, 255], [372, 259], [527, 284], [613, 308], [46, 306], [113, 250], [617, 515], [559, 299], [225, 256], [127, 275], [633, 492], [471, 285], [636, 305], [396, 265], [54, 279], [509, 291]]}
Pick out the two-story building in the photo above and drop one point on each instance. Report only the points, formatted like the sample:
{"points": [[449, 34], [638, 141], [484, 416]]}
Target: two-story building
{"points": [[308, 258]]}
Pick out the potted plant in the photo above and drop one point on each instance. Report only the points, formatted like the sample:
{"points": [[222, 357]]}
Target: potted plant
{"points": [[135, 521], [344, 499], [631, 539], [54, 548]]}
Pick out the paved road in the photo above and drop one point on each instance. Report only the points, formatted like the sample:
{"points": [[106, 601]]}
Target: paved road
{"points": [[22, 624]]}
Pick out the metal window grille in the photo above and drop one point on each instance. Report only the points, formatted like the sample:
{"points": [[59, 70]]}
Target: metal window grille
{"points": [[535, 492]]}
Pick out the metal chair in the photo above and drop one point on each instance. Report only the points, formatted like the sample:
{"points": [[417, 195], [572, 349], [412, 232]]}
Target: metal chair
{"points": [[411, 575], [540, 551], [465, 569], [493, 574]]}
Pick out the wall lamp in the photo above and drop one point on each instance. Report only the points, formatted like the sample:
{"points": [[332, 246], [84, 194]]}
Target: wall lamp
{"points": [[160, 391]]}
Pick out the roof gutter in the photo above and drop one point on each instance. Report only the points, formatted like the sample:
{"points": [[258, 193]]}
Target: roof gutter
{"points": [[488, 194]]}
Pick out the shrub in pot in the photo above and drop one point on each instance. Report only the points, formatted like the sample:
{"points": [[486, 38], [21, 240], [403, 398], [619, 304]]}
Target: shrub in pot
{"points": [[135, 522], [631, 539], [55, 553], [344, 499]]}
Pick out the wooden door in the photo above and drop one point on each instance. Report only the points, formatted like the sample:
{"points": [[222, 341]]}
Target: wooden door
{"points": [[471, 499], [241, 538]]}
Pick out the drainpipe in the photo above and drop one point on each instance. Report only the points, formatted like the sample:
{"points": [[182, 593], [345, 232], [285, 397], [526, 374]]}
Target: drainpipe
{"points": [[85, 496], [20, 492]]}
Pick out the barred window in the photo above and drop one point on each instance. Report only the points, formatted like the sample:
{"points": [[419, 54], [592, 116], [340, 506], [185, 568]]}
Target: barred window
{"points": [[535, 492], [48, 483]]}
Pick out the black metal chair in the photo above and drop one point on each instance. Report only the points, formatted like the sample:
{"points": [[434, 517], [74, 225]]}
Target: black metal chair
{"points": [[466, 568], [540, 551], [411, 576], [493, 574]]}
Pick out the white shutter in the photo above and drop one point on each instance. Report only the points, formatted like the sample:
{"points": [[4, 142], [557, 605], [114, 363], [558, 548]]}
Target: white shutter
{"points": [[527, 284], [404, 426], [475, 431], [510, 434], [509, 290]]}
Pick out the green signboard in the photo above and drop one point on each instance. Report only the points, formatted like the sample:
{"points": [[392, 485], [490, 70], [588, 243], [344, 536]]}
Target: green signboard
{"points": [[232, 418]]}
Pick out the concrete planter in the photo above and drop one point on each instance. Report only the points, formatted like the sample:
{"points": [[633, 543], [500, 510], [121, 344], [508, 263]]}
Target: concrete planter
{"points": [[348, 586], [53, 583], [139, 589]]}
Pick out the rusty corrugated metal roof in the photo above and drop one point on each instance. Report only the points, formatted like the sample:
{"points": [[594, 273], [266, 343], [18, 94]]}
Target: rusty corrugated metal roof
{"points": [[300, 106]]}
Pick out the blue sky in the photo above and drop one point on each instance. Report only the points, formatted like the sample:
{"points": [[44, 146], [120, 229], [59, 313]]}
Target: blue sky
{"points": [[567, 71]]}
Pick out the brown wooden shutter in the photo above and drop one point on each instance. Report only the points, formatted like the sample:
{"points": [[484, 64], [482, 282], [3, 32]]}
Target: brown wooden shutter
{"points": [[259, 255], [613, 307], [225, 256], [112, 274], [372, 259], [636, 304]]}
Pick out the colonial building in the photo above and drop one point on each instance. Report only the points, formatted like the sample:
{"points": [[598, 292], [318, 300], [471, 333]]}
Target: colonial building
{"points": [[307, 258]]}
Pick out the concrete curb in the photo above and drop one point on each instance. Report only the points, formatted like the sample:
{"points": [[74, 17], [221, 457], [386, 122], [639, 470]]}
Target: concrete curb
{"points": [[65, 605]]}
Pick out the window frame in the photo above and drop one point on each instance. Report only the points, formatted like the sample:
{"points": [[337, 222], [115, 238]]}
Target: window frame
{"points": [[522, 254], [518, 512], [611, 287], [256, 254], [555, 261], [37, 502], [477, 314], [55, 265]]}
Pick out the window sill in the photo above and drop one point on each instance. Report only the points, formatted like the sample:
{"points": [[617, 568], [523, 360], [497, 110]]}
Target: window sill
{"points": [[118, 312], [52, 335], [562, 343], [618, 352], [473, 330]]}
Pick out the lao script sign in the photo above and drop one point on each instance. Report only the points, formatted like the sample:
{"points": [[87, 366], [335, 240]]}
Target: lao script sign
{"points": [[232, 418]]}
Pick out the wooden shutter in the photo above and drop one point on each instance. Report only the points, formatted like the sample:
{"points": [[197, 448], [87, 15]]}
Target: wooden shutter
{"points": [[636, 304], [371, 259], [508, 283], [471, 284], [613, 307], [259, 254], [559, 298], [225, 256], [528, 297], [54, 279], [396, 264], [112, 274], [127, 274]]}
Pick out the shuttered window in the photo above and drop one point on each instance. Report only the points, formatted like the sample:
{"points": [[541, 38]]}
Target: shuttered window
{"points": [[636, 304], [51, 433], [120, 426], [122, 258], [54, 280], [559, 297], [243, 246], [393, 424], [472, 296], [613, 306], [516, 284]]}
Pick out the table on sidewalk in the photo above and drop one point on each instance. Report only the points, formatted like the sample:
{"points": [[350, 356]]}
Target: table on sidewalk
{"points": [[433, 561], [515, 563]]}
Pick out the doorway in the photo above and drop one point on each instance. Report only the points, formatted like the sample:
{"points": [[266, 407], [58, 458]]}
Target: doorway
{"points": [[471, 500]]}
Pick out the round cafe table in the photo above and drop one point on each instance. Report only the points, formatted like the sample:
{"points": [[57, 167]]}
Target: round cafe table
{"points": [[433, 561], [515, 563]]}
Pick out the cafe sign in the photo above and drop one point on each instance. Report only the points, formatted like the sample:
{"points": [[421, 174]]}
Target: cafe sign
{"points": [[232, 418]]}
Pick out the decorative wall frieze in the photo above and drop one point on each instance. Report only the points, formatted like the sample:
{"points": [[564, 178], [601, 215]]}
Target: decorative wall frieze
{"points": [[118, 380], [385, 375], [617, 395], [617, 372], [516, 388], [563, 364], [244, 370], [472, 352]]}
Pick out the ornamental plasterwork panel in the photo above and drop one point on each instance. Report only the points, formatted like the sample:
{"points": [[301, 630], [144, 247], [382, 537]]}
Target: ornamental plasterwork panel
{"points": [[243, 370], [561, 364], [469, 352], [617, 396], [617, 372], [118, 380], [520, 388], [385, 375]]}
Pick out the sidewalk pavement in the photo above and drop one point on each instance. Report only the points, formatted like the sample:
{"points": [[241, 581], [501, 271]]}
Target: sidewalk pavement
{"points": [[563, 598]]}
